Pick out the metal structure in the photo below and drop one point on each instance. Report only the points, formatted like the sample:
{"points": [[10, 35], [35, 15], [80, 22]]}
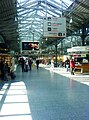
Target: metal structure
{"points": [[9, 23], [19, 20], [31, 14], [77, 15]]}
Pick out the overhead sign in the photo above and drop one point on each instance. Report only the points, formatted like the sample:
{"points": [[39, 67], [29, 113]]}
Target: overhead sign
{"points": [[54, 27], [77, 49]]}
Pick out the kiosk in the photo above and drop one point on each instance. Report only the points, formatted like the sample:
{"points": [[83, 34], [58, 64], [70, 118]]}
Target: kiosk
{"points": [[81, 58]]}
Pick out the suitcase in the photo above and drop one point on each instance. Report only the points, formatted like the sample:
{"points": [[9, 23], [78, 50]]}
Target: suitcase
{"points": [[12, 74]]}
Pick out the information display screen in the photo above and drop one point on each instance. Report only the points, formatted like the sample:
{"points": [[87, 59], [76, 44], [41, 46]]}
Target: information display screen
{"points": [[30, 45]]}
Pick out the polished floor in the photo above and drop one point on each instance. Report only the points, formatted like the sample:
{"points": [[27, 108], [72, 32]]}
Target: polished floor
{"points": [[43, 95]]}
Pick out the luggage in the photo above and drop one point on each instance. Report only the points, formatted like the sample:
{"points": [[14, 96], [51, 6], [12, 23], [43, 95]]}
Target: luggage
{"points": [[12, 74]]}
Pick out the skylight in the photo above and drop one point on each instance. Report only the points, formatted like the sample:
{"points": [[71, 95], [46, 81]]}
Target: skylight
{"points": [[31, 13]]}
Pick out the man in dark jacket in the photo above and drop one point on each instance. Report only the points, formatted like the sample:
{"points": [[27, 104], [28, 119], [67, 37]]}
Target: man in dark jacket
{"points": [[37, 63]]}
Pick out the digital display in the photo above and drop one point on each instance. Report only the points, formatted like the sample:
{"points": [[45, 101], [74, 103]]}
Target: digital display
{"points": [[30, 45]]}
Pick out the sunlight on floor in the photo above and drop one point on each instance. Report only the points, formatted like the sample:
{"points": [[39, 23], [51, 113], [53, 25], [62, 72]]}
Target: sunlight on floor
{"points": [[86, 83], [1, 96], [16, 117], [15, 105], [2, 91]]}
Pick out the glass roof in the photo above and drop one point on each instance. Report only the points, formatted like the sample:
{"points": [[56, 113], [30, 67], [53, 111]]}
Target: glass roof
{"points": [[31, 13]]}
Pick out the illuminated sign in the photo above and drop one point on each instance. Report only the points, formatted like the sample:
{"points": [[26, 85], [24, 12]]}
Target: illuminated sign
{"points": [[30, 45]]}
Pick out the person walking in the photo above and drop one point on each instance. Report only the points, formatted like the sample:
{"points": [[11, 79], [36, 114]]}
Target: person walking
{"points": [[5, 71], [37, 63], [22, 64], [30, 63], [52, 64], [1, 69], [67, 64], [72, 66], [26, 65]]}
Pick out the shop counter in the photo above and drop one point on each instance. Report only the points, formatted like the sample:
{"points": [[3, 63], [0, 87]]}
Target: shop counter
{"points": [[82, 68]]}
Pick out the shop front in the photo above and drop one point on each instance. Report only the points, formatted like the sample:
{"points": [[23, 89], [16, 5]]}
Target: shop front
{"points": [[81, 58]]}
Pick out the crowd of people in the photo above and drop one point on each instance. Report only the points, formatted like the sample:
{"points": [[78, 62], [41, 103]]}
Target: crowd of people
{"points": [[27, 63], [7, 72], [70, 65]]}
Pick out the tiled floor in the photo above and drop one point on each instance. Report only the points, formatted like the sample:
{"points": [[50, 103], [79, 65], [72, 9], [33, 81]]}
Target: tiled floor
{"points": [[43, 95]]}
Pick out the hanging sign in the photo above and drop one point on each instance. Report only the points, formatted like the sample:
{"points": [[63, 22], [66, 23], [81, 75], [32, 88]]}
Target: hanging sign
{"points": [[54, 27]]}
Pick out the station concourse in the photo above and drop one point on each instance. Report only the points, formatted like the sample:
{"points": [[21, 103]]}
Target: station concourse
{"points": [[45, 30], [43, 95]]}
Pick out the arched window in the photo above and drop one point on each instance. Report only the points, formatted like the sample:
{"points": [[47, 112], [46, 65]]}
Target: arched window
{"points": [[87, 40]]}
